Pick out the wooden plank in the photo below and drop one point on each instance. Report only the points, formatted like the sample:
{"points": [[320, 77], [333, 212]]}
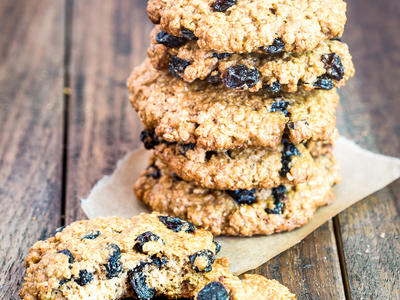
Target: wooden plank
{"points": [[108, 40], [31, 113], [310, 269], [369, 115]]}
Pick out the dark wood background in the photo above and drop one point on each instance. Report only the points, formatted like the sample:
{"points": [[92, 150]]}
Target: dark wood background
{"points": [[65, 121]]}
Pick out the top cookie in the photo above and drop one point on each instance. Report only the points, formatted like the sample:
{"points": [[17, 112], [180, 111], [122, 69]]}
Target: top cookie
{"points": [[242, 26], [144, 257]]}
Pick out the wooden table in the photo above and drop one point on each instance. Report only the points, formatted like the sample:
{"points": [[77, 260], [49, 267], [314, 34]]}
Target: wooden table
{"points": [[65, 121]]}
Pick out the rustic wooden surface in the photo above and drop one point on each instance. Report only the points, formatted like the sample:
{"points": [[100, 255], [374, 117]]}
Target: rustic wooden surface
{"points": [[369, 114], [63, 66], [105, 44], [31, 113]]}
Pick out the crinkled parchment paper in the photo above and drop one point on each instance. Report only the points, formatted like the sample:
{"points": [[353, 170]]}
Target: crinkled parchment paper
{"points": [[363, 173]]}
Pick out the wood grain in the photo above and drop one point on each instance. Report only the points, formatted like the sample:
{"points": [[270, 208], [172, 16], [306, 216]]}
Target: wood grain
{"points": [[310, 269], [369, 114], [31, 107], [107, 41]]}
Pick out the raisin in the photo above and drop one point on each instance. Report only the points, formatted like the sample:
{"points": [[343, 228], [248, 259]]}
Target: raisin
{"points": [[60, 229], [169, 40], [114, 265], [91, 236], [240, 76], [149, 139], [213, 291], [143, 238], [64, 281], [155, 172], [274, 87], [289, 150], [169, 143], [214, 77], [278, 46], [221, 55], [228, 153], [222, 5], [217, 247], [138, 282], [202, 254], [209, 154], [158, 261], [279, 194], [156, 298], [176, 224], [323, 82], [84, 277], [277, 210], [188, 34], [333, 65], [183, 148], [291, 125], [280, 105], [176, 177], [177, 65], [69, 254], [243, 196]]}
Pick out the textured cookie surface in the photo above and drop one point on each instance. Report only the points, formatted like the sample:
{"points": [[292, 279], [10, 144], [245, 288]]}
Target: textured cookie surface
{"points": [[115, 258], [238, 169], [248, 25], [216, 117], [327, 66], [240, 212]]}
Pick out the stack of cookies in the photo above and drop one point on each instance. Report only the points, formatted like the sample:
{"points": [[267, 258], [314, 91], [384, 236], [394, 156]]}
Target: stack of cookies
{"points": [[238, 99]]}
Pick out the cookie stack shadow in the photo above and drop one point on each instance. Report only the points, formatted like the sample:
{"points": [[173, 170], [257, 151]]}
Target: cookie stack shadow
{"points": [[238, 100]]}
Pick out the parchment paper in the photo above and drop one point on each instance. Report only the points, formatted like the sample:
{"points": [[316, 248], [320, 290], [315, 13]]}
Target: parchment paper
{"points": [[363, 173]]}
